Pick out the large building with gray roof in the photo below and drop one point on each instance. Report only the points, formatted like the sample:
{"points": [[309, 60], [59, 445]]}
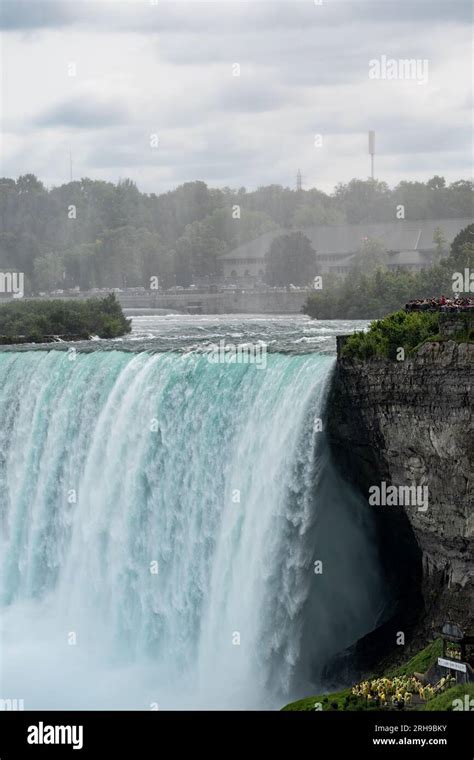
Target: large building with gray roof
{"points": [[410, 245]]}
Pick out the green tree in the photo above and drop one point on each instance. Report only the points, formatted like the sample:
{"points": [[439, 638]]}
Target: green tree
{"points": [[436, 183], [290, 260], [462, 247], [371, 254], [440, 242], [364, 201], [49, 272]]}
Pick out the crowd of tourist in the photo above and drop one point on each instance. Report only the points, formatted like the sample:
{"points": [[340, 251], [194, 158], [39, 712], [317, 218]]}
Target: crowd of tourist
{"points": [[454, 305], [398, 691]]}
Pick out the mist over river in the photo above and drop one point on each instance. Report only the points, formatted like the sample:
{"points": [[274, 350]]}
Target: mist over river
{"points": [[173, 532]]}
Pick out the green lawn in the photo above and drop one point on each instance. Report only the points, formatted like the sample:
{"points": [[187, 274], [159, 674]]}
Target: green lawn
{"points": [[340, 700]]}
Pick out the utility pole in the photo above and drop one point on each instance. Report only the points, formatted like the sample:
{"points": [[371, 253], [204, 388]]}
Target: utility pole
{"points": [[70, 166], [299, 181], [372, 151]]}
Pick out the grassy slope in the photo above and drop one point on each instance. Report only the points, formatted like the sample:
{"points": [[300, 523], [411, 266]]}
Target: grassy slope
{"points": [[421, 661], [445, 701], [346, 701], [343, 699]]}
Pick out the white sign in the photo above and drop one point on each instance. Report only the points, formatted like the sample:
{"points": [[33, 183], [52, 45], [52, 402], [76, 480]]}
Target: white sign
{"points": [[452, 664]]}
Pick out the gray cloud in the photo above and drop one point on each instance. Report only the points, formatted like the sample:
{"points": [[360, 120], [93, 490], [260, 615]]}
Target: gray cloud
{"points": [[85, 113], [168, 69], [219, 15], [426, 138], [252, 96], [36, 14]]}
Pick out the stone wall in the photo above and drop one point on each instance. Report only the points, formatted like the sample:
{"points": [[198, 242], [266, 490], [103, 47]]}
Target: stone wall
{"points": [[229, 302], [451, 324]]}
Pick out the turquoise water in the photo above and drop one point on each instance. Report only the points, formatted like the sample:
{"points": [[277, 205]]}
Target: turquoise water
{"points": [[160, 520]]}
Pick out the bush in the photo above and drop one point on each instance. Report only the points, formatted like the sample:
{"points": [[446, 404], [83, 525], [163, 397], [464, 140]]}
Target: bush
{"points": [[36, 319], [386, 336]]}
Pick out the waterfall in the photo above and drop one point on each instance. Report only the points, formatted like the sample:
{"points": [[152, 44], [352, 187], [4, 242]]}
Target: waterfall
{"points": [[162, 521]]}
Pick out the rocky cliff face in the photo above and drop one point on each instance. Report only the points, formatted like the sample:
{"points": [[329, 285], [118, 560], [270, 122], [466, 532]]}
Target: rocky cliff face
{"points": [[410, 423]]}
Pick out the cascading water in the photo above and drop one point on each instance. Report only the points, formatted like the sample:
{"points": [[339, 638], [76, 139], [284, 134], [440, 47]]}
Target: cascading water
{"points": [[161, 517]]}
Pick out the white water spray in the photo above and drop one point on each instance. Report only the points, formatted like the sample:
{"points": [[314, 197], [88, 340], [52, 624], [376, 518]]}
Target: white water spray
{"points": [[160, 521]]}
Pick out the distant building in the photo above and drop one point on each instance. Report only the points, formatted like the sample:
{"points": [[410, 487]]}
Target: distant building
{"points": [[410, 245]]}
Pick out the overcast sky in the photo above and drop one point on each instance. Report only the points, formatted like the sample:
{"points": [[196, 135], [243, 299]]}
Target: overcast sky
{"points": [[151, 67]]}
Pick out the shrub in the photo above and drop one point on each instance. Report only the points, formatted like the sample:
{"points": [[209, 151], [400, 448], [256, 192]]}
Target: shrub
{"points": [[386, 336], [36, 319]]}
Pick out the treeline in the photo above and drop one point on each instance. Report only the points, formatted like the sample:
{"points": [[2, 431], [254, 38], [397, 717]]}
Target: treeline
{"points": [[35, 320], [371, 295], [99, 234]]}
